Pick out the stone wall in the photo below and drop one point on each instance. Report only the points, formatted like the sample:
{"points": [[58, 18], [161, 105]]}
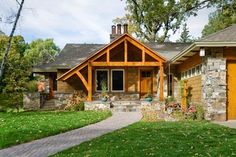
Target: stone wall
{"points": [[214, 84], [61, 99], [31, 101]]}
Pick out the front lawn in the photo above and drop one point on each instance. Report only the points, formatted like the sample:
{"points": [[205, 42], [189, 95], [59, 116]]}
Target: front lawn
{"points": [[21, 127], [161, 139]]}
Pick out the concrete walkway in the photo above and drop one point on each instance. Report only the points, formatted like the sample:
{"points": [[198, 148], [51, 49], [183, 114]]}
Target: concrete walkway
{"points": [[230, 123], [53, 144]]}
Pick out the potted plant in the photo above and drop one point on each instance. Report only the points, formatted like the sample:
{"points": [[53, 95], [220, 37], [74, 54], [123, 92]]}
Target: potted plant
{"points": [[104, 91]]}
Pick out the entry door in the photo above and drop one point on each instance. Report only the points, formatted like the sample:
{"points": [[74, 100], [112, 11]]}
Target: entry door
{"points": [[146, 82], [231, 79]]}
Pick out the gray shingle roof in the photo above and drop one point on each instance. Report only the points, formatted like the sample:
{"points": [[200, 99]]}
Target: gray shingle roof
{"points": [[168, 49], [226, 35], [73, 54], [70, 56]]}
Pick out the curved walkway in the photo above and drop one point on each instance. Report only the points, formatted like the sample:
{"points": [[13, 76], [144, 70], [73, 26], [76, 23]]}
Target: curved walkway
{"points": [[53, 144]]}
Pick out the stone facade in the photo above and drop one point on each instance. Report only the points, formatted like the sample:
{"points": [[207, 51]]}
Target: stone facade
{"points": [[61, 99], [31, 101], [96, 105], [214, 84]]}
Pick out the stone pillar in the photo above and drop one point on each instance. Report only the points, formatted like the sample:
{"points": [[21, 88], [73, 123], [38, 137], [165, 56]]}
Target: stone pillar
{"points": [[214, 84]]}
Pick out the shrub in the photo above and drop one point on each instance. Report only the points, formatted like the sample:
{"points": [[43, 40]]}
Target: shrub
{"points": [[200, 112], [76, 102], [31, 86]]}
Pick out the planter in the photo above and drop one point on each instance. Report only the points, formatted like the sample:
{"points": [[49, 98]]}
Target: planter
{"points": [[149, 99], [104, 99]]}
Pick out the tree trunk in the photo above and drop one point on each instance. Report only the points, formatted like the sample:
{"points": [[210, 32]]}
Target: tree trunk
{"points": [[4, 59]]}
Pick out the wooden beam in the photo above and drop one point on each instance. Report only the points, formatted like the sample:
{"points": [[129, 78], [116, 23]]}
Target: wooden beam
{"points": [[74, 72], [90, 92], [82, 79], [98, 55], [139, 84], [108, 55], [161, 82], [125, 64], [143, 54], [126, 52], [153, 55]]}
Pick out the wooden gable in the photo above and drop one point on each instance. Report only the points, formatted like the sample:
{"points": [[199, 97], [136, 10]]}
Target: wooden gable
{"points": [[124, 51]]}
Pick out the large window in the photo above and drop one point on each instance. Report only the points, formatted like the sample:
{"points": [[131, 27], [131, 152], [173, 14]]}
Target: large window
{"points": [[101, 79], [117, 78]]}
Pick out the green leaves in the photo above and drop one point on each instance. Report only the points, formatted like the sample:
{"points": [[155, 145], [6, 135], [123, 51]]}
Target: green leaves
{"points": [[154, 19]]}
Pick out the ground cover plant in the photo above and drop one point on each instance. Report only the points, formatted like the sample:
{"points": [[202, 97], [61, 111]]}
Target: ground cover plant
{"points": [[184, 138], [21, 127]]}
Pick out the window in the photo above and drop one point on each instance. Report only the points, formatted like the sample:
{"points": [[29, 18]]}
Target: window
{"points": [[117, 79], [101, 78], [193, 72]]}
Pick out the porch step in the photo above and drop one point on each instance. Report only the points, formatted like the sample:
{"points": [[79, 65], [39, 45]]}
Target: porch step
{"points": [[49, 105], [126, 106]]}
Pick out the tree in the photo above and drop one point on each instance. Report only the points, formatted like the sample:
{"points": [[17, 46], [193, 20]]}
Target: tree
{"points": [[223, 17], [17, 69], [1, 33], [41, 51], [185, 37], [4, 59], [154, 19]]}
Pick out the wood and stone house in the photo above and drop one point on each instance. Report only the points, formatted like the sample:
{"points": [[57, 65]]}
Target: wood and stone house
{"points": [[205, 70]]}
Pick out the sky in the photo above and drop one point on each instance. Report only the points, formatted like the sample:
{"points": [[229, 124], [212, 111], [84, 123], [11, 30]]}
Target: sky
{"points": [[76, 21]]}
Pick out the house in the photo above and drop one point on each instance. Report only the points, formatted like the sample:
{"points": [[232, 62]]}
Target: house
{"points": [[203, 72]]}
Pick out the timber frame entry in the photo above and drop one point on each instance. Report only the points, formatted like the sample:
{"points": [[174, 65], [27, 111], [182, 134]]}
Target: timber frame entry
{"points": [[103, 58]]}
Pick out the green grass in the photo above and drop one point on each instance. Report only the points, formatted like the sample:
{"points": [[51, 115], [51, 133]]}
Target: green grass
{"points": [[21, 127], [161, 139]]}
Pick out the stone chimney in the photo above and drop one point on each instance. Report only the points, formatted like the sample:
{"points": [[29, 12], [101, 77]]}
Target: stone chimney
{"points": [[125, 28], [119, 29], [116, 31]]}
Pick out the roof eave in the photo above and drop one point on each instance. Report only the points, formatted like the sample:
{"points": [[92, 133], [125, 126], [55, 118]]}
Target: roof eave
{"points": [[201, 44]]}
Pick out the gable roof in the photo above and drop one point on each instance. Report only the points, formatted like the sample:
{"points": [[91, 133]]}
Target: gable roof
{"points": [[109, 46], [73, 54]]}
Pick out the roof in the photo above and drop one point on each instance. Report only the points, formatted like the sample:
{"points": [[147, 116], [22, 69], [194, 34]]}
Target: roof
{"points": [[226, 35], [223, 38], [73, 54], [167, 49], [70, 56]]}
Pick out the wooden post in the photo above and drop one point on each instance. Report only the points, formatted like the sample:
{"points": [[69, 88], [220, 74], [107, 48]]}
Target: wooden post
{"points": [[126, 51], [90, 92], [161, 82], [184, 98]]}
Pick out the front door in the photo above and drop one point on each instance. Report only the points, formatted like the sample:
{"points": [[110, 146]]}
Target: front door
{"points": [[231, 79], [146, 82]]}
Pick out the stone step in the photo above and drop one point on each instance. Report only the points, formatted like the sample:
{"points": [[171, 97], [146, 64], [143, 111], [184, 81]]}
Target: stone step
{"points": [[126, 106], [49, 105]]}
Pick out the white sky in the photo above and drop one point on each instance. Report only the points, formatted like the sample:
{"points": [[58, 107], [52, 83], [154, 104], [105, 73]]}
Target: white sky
{"points": [[76, 21]]}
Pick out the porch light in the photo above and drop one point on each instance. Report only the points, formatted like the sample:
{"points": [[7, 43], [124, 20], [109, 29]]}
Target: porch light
{"points": [[202, 52]]}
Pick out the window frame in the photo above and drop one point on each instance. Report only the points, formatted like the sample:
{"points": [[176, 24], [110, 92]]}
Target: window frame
{"points": [[108, 79], [123, 70]]}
